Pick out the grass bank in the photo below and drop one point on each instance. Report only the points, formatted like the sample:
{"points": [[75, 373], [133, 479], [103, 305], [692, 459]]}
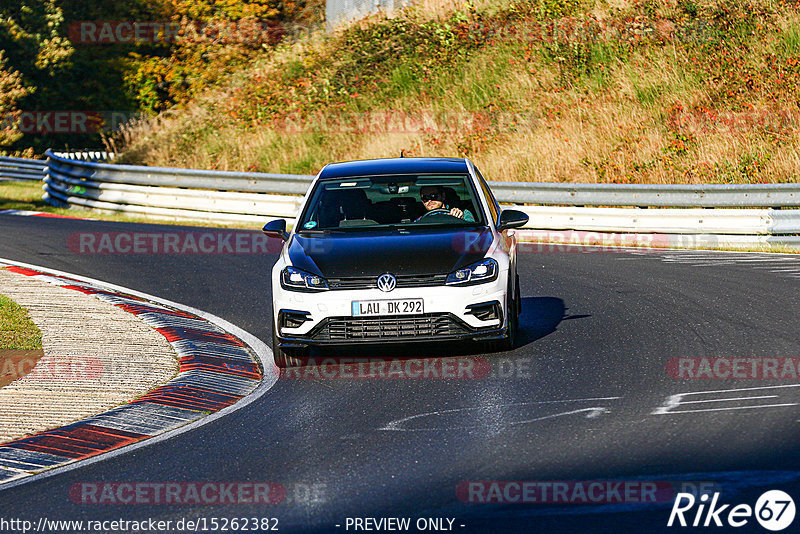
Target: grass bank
{"points": [[17, 331], [653, 91]]}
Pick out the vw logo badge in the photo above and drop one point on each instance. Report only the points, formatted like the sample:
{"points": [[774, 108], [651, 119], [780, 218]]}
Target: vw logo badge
{"points": [[387, 282]]}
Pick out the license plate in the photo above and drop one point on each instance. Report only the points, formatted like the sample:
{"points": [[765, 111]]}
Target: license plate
{"points": [[387, 307]]}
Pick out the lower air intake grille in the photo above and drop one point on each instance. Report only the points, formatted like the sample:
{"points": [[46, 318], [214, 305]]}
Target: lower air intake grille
{"points": [[377, 328]]}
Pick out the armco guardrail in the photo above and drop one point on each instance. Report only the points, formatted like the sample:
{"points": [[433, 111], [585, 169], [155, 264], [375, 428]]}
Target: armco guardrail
{"points": [[650, 195], [33, 169], [174, 193], [243, 182], [669, 221], [252, 197], [21, 169]]}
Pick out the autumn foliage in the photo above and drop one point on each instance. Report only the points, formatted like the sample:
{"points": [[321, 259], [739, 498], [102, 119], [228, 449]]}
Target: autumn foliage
{"points": [[43, 69], [654, 91]]}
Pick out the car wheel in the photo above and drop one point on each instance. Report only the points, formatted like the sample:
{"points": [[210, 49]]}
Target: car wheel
{"points": [[513, 323], [283, 357]]}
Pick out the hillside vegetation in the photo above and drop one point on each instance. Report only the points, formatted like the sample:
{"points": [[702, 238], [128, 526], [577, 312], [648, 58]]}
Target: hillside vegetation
{"points": [[653, 91], [49, 64]]}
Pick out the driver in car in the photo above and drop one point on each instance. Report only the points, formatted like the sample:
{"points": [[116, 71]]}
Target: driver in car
{"points": [[433, 198]]}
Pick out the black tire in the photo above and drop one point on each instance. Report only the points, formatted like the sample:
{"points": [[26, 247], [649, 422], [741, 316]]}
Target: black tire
{"points": [[283, 357]]}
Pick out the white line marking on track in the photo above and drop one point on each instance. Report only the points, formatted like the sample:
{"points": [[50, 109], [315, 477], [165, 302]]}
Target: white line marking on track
{"points": [[785, 265], [591, 413], [731, 399], [762, 260], [731, 408], [675, 401]]}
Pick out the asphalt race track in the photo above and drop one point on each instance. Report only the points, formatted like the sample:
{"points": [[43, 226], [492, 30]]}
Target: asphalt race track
{"points": [[586, 396]]}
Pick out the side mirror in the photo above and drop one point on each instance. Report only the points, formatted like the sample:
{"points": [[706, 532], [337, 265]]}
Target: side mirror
{"points": [[511, 219], [276, 228]]}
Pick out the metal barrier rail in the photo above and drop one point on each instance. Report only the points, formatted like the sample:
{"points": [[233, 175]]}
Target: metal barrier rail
{"points": [[243, 182], [21, 169], [667, 221], [251, 197], [639, 195], [173, 193], [169, 202], [650, 195]]}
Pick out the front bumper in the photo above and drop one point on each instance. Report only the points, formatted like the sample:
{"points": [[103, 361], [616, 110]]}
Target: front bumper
{"points": [[447, 315], [401, 329]]}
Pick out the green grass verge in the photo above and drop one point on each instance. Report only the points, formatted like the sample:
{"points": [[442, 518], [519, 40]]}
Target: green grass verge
{"points": [[17, 331]]}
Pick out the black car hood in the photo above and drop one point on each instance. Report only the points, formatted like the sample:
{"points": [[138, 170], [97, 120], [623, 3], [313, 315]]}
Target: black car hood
{"points": [[367, 253]]}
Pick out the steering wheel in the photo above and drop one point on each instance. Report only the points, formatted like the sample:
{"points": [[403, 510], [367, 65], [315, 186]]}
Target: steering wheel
{"points": [[437, 211]]}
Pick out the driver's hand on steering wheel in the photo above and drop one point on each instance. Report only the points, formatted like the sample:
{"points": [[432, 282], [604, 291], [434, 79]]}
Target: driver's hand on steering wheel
{"points": [[455, 212]]}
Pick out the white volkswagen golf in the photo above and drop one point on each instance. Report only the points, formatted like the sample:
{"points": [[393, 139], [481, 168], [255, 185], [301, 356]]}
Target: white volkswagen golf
{"points": [[396, 250]]}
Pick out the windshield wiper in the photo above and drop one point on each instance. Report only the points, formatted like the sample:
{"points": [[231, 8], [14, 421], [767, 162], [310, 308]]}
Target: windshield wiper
{"points": [[320, 231]]}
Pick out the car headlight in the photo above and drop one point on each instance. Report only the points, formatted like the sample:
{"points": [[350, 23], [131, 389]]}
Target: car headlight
{"points": [[477, 273], [293, 278]]}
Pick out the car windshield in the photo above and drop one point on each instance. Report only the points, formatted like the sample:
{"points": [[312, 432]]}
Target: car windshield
{"points": [[385, 201]]}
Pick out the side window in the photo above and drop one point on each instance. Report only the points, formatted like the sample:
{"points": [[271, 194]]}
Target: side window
{"points": [[494, 207]]}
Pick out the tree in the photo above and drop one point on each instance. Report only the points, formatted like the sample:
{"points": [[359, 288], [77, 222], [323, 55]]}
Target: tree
{"points": [[11, 91]]}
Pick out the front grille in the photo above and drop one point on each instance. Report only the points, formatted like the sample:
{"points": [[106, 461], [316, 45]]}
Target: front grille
{"points": [[431, 325], [371, 282]]}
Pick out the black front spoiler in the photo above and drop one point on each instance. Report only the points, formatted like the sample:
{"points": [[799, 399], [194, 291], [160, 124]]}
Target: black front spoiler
{"points": [[478, 335]]}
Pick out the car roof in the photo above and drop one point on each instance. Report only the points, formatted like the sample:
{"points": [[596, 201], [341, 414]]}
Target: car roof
{"points": [[377, 167]]}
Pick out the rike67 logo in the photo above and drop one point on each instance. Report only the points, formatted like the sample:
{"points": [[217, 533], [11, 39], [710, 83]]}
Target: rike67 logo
{"points": [[774, 510]]}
